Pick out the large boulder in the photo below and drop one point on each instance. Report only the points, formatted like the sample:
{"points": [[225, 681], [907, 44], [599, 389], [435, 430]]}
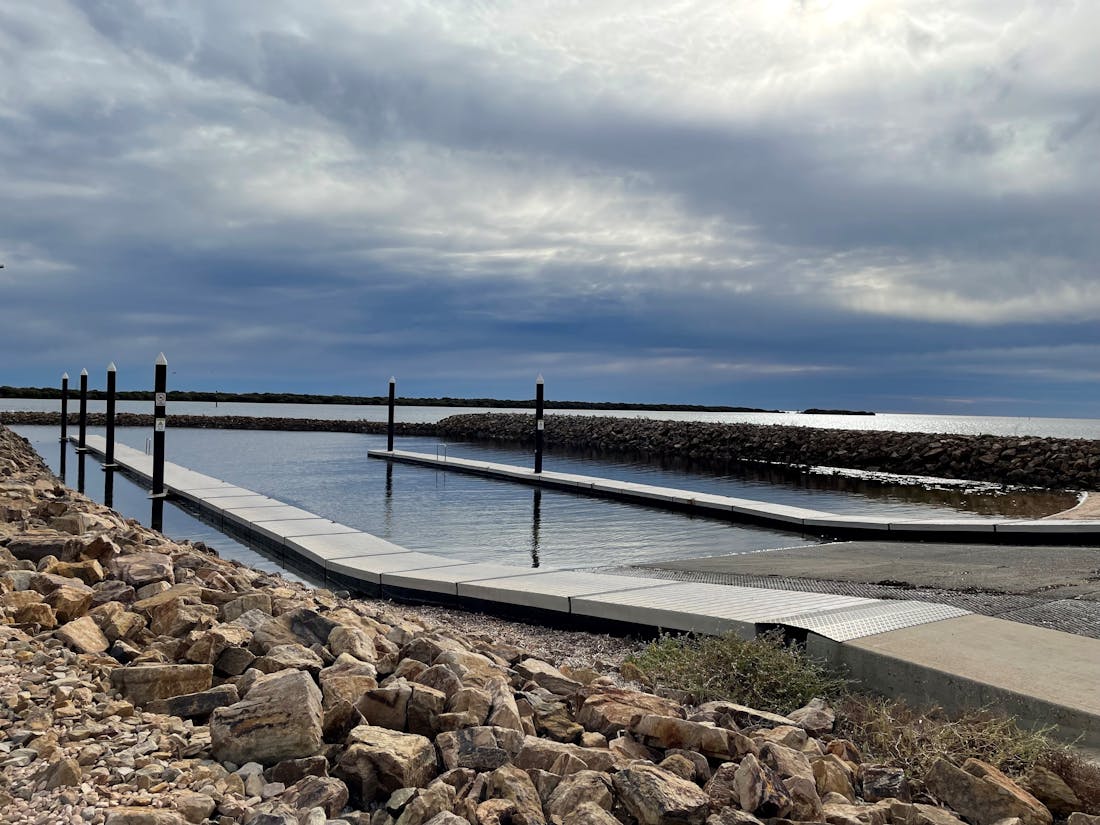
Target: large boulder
{"points": [[379, 761], [279, 718], [984, 795], [656, 797], [142, 684], [612, 710], [672, 732]]}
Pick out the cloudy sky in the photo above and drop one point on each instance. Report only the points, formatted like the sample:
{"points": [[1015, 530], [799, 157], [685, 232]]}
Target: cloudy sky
{"points": [[878, 205]]}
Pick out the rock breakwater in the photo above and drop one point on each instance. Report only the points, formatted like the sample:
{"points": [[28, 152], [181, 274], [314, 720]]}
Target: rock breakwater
{"points": [[1070, 464], [223, 422], [149, 682]]}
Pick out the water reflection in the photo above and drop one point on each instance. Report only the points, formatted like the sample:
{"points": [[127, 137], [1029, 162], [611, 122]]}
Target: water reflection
{"points": [[80, 456], [109, 486], [61, 460], [387, 501], [536, 525], [979, 501]]}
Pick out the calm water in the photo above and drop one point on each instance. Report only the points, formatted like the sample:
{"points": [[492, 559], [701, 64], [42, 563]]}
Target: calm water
{"points": [[481, 519], [899, 422]]}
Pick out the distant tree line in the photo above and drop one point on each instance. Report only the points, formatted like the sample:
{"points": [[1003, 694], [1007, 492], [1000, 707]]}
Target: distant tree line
{"points": [[299, 398]]}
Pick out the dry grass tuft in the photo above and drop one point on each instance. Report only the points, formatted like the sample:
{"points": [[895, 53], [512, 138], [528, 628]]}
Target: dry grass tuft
{"points": [[762, 673]]}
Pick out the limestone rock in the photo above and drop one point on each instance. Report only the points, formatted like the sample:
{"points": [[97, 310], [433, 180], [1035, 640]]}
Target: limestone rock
{"points": [[196, 705], [786, 762], [806, 804], [289, 657], [326, 792], [657, 797], [69, 602], [552, 720], [548, 677], [760, 790], [576, 789], [983, 794], [673, 732], [192, 806], [481, 748], [429, 803], [833, 775], [504, 712], [63, 773], [140, 569], [729, 816], [816, 718], [352, 641], [1079, 818], [513, 784], [612, 709], [884, 782], [144, 683], [1050, 789], [588, 813], [83, 636], [379, 760], [347, 680], [908, 813], [279, 718], [143, 816], [543, 754]]}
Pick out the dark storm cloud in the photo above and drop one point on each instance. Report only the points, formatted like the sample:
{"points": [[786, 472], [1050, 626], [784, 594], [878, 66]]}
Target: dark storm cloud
{"points": [[829, 205]]}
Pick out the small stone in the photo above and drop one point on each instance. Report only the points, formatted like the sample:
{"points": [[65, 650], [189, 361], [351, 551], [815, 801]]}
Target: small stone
{"points": [[657, 797], [83, 635]]}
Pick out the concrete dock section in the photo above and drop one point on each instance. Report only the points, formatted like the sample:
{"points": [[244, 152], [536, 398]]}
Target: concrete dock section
{"points": [[800, 520], [917, 650]]}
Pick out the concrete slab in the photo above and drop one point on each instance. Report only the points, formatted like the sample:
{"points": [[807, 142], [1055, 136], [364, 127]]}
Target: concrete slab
{"points": [[280, 531], [709, 608], [370, 568], [1042, 676], [234, 502], [256, 515], [550, 589], [447, 579], [332, 546]]}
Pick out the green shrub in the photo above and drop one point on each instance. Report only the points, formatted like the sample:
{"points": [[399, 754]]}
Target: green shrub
{"points": [[763, 673]]}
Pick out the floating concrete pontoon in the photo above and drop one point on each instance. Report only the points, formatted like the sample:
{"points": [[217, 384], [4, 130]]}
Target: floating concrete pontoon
{"points": [[778, 516], [916, 650]]}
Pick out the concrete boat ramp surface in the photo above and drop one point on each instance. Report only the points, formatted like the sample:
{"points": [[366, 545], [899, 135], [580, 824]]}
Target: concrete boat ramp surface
{"points": [[919, 650]]}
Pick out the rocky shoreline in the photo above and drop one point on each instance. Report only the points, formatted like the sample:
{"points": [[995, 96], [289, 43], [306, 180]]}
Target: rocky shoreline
{"points": [[149, 682], [1060, 464]]}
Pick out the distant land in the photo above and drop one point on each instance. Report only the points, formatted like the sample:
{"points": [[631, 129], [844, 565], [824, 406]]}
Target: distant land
{"points": [[375, 400]]}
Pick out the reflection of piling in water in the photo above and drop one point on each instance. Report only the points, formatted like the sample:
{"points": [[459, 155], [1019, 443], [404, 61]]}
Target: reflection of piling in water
{"points": [[387, 507], [109, 487], [536, 526], [61, 461], [80, 472]]}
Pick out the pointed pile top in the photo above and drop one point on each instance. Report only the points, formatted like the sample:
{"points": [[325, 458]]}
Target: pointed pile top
{"points": [[111, 367], [64, 376], [162, 361], [539, 379], [83, 373], [393, 380]]}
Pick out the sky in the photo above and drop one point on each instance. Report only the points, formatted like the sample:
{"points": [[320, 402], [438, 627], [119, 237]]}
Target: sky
{"points": [[870, 205]]}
